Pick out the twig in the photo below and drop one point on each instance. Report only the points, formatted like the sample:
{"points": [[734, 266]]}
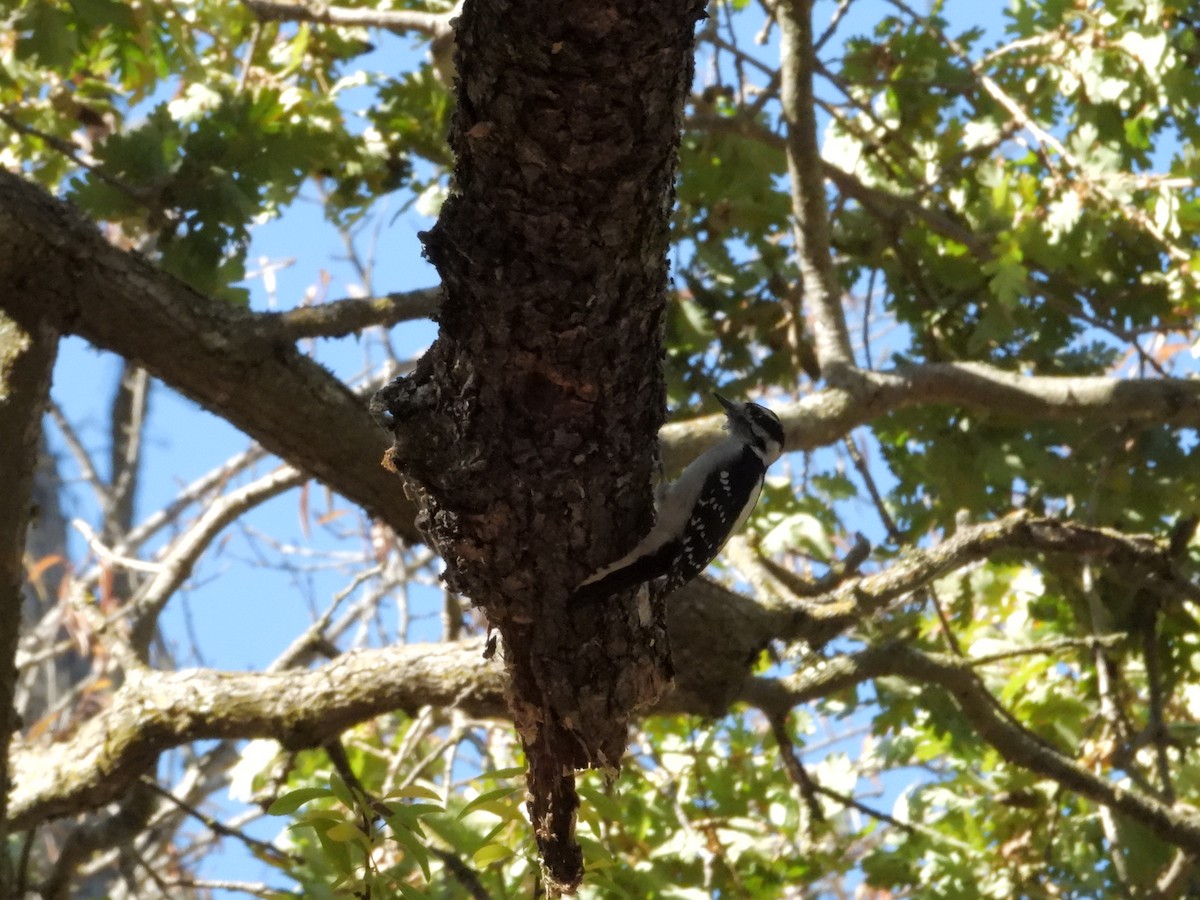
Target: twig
{"points": [[109, 555], [313, 636], [838, 572], [1177, 877], [843, 7], [190, 494], [342, 317], [864, 472], [177, 565], [73, 153], [907, 827], [795, 768], [82, 458], [264, 848], [253, 888]]}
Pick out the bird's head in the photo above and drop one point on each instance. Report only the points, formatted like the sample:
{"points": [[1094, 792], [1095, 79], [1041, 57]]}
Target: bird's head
{"points": [[756, 425]]}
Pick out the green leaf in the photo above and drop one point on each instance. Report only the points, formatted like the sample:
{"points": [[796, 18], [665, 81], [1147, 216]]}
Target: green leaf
{"points": [[346, 831], [490, 853], [499, 774], [485, 799], [288, 803], [415, 848], [413, 791], [342, 791]]}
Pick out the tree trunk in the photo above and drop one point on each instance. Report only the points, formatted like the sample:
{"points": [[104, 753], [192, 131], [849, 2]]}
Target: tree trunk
{"points": [[529, 430]]}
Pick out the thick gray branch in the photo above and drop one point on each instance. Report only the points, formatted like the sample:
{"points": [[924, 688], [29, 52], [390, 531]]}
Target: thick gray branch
{"points": [[236, 365], [716, 636], [824, 617], [154, 711], [825, 417]]}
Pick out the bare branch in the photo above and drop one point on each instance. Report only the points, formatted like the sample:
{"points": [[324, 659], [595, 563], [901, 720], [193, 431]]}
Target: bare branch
{"points": [[128, 418], [806, 175], [154, 711], [208, 351], [108, 554], [186, 496], [822, 418], [824, 617], [342, 317], [174, 569], [400, 21], [82, 458]]}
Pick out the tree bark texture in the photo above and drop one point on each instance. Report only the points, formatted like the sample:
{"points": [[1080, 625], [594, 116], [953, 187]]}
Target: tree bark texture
{"points": [[529, 431]]}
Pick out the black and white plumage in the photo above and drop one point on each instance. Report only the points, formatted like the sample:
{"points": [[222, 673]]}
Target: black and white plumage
{"points": [[699, 512]]}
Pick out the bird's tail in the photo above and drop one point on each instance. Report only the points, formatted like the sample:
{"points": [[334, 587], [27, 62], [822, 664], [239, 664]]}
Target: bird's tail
{"points": [[645, 568]]}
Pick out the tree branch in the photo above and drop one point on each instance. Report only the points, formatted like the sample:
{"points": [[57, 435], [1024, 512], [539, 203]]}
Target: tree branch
{"points": [[118, 827], [209, 351], [823, 618], [175, 568], [1022, 747], [807, 180], [1017, 744], [400, 21], [154, 711], [222, 358], [824, 417], [343, 317]]}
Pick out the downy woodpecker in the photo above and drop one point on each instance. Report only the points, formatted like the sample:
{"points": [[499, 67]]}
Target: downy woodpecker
{"points": [[697, 514]]}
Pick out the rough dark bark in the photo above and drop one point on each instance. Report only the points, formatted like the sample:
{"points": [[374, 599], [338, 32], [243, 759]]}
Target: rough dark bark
{"points": [[530, 429]]}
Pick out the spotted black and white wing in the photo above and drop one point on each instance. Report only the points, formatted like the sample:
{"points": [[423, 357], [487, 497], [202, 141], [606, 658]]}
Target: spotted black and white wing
{"points": [[697, 514], [722, 507]]}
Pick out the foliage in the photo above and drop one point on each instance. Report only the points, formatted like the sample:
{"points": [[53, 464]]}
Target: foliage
{"points": [[1020, 193]]}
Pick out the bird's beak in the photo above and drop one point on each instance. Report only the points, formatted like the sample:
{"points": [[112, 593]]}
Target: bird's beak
{"points": [[731, 408]]}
